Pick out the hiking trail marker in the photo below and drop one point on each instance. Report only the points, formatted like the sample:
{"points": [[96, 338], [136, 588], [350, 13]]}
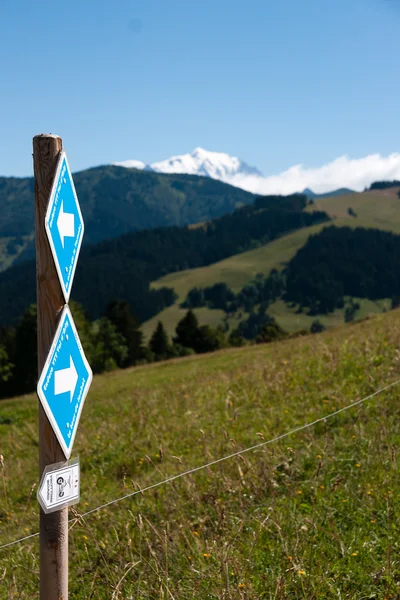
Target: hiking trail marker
{"points": [[59, 486], [65, 375], [64, 225], [64, 382]]}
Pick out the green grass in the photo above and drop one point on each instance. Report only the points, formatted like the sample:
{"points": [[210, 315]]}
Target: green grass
{"points": [[313, 516], [373, 209], [171, 315], [379, 209], [237, 270]]}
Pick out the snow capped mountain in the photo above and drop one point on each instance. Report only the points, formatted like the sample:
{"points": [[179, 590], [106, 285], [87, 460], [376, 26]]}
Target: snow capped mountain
{"points": [[217, 165], [342, 172]]}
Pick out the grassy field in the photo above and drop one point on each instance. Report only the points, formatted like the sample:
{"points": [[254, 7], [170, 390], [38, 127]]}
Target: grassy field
{"points": [[379, 209], [314, 515], [373, 209], [285, 315]]}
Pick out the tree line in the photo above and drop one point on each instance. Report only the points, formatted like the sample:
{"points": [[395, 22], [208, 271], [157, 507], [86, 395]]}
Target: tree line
{"points": [[341, 261], [115, 342], [126, 266], [334, 265]]}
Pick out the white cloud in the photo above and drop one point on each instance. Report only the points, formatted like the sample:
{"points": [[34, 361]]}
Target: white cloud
{"points": [[342, 172]]}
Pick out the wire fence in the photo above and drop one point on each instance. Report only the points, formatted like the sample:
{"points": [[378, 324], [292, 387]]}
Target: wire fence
{"points": [[216, 461]]}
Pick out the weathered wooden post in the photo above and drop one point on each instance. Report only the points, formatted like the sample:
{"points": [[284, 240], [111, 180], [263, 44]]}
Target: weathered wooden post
{"points": [[65, 375], [50, 301]]}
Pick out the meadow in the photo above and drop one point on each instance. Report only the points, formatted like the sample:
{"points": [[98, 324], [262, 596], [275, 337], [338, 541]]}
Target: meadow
{"points": [[379, 209], [313, 515]]}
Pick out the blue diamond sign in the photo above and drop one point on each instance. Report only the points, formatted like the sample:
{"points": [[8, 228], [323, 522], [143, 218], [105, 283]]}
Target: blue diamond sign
{"points": [[64, 382], [64, 225]]}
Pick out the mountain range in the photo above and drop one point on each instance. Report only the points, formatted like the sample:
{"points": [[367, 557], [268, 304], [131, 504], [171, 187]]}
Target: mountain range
{"points": [[216, 165], [125, 266], [115, 201], [182, 190]]}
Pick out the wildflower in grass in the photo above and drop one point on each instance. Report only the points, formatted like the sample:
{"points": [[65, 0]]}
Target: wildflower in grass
{"points": [[290, 558], [322, 487], [301, 572], [319, 456], [373, 520], [206, 555], [299, 492], [358, 465], [26, 528], [241, 586], [369, 493], [85, 537], [195, 533], [344, 500], [354, 553]]}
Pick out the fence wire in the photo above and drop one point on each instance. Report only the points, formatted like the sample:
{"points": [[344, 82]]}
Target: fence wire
{"points": [[215, 462]]}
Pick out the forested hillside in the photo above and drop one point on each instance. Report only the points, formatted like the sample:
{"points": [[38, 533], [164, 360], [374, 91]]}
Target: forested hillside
{"points": [[337, 268], [114, 201], [124, 267], [340, 261]]}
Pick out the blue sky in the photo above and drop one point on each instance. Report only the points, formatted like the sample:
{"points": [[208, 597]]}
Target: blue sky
{"points": [[275, 83]]}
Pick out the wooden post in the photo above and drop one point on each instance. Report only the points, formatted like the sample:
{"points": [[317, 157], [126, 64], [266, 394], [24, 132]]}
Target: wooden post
{"points": [[50, 300]]}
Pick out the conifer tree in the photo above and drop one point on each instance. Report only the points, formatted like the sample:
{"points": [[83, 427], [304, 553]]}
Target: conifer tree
{"points": [[187, 330], [119, 312], [159, 343]]}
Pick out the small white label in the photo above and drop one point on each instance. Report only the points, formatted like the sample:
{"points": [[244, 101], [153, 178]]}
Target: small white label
{"points": [[59, 486]]}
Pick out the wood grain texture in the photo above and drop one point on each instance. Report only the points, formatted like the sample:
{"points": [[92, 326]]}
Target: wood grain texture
{"points": [[50, 301]]}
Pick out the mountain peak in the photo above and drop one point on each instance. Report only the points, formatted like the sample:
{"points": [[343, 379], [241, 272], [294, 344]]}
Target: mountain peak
{"points": [[217, 165]]}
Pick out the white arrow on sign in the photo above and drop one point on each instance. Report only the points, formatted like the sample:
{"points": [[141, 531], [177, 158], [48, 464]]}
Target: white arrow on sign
{"points": [[65, 380], [65, 224]]}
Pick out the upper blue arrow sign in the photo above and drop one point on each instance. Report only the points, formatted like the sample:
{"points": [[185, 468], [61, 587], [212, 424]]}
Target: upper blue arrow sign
{"points": [[64, 382], [64, 225]]}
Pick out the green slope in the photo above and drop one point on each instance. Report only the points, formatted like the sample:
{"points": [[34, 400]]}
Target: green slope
{"points": [[315, 515], [240, 268], [115, 201], [380, 209]]}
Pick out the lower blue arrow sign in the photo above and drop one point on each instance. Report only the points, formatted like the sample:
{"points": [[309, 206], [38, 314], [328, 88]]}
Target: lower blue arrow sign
{"points": [[64, 382]]}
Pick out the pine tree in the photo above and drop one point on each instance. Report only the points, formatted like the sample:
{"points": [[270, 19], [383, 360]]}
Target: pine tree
{"points": [[187, 330], [159, 343], [109, 346], [119, 313]]}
